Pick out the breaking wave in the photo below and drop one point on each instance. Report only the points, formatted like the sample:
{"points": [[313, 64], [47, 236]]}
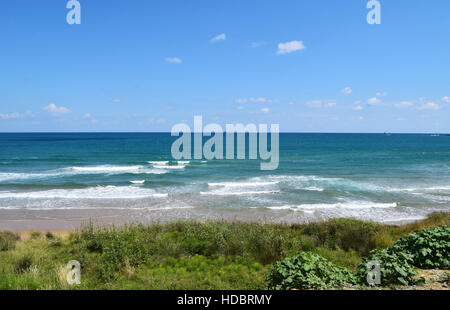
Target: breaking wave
{"points": [[98, 192]]}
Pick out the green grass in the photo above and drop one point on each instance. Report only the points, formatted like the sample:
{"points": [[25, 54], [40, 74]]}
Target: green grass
{"points": [[187, 255], [8, 240]]}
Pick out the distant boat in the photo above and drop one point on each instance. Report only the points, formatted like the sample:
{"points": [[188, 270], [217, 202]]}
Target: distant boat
{"points": [[387, 133]]}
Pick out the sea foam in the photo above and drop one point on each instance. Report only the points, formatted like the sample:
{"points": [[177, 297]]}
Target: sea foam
{"points": [[344, 205], [98, 192]]}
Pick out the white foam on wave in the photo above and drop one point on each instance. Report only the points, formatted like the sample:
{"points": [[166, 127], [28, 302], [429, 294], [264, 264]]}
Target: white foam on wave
{"points": [[423, 189], [287, 207], [313, 189], [70, 171], [183, 162], [98, 192], [138, 181], [354, 205], [239, 193], [241, 188], [242, 184], [312, 181], [160, 162], [435, 198], [25, 176], [108, 169], [169, 208], [303, 178], [164, 164], [169, 167]]}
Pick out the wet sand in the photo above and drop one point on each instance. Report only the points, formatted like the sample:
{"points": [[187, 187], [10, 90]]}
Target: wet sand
{"points": [[40, 220], [58, 220], [73, 219]]}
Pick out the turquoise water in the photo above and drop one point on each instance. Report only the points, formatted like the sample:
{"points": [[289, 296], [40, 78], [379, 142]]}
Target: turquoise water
{"points": [[367, 176]]}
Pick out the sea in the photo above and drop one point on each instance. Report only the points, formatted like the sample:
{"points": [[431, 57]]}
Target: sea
{"points": [[377, 177]]}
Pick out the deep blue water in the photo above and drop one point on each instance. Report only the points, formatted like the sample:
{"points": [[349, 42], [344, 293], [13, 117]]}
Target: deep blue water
{"points": [[369, 176]]}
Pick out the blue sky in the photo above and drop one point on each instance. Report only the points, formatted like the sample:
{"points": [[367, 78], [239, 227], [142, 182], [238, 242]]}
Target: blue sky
{"points": [[310, 66]]}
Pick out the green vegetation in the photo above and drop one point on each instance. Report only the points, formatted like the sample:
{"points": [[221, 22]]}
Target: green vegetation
{"points": [[396, 268], [307, 270], [211, 255], [8, 240], [430, 248], [425, 248]]}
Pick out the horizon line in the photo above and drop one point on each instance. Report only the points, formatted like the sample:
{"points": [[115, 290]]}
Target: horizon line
{"points": [[168, 132]]}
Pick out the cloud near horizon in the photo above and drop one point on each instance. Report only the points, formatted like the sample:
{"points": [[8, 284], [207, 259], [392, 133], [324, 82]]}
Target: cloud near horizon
{"points": [[10, 115], [52, 108], [429, 106]]}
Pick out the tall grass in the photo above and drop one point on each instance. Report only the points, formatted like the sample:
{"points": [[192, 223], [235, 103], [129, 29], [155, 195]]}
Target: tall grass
{"points": [[8, 240], [220, 255]]}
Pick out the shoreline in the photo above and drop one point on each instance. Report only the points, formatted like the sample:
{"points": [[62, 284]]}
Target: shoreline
{"points": [[72, 220]]}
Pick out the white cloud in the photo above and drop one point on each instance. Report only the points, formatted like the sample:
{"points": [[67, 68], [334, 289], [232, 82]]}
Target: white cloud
{"points": [[446, 99], [361, 118], [240, 108], [290, 47], [220, 37], [256, 100], [265, 110], [358, 108], [52, 108], [373, 101], [116, 100], [347, 91], [87, 116], [174, 60], [317, 104], [404, 104], [381, 94], [429, 106], [10, 115], [357, 102]]}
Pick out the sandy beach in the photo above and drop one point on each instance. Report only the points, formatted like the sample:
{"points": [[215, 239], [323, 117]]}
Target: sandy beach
{"points": [[54, 220]]}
